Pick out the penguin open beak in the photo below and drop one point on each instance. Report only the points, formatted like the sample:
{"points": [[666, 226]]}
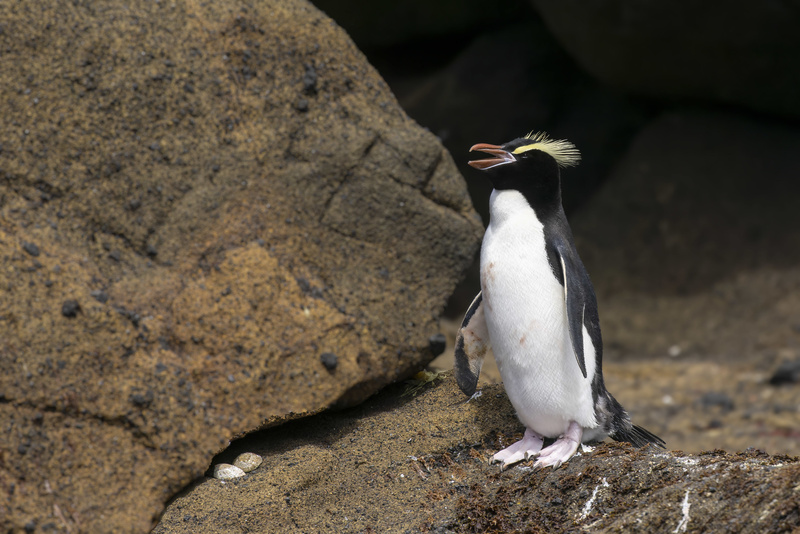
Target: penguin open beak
{"points": [[502, 156]]}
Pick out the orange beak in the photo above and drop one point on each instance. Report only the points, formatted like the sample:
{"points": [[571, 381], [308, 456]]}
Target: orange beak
{"points": [[502, 157]]}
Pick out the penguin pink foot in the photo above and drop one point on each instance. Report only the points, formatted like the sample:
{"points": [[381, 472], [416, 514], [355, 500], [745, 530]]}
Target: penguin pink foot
{"points": [[563, 449], [529, 445]]}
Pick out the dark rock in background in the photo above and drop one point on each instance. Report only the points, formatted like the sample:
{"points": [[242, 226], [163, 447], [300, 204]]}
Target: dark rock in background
{"points": [[786, 373], [693, 242], [742, 53], [713, 399], [437, 343], [391, 23], [201, 241], [511, 81]]}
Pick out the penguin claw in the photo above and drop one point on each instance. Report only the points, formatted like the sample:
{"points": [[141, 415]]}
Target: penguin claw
{"points": [[528, 446], [562, 449], [508, 461], [504, 466], [541, 464]]}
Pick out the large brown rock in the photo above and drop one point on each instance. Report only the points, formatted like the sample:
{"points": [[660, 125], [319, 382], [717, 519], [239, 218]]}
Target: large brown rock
{"points": [[741, 53], [198, 200]]}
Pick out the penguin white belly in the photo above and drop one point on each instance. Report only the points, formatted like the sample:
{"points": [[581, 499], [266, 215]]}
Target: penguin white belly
{"points": [[527, 322]]}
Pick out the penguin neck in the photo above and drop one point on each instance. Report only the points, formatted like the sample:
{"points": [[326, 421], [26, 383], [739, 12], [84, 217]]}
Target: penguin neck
{"points": [[545, 203], [537, 178]]}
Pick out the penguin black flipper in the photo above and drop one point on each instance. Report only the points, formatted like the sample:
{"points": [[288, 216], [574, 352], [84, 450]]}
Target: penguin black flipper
{"points": [[472, 342], [576, 287]]}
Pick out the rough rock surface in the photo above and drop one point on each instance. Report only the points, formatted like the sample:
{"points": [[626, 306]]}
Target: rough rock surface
{"points": [[732, 52], [693, 243], [197, 200], [419, 464]]}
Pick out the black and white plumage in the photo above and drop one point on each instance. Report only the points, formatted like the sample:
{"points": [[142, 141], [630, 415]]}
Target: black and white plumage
{"points": [[537, 310]]}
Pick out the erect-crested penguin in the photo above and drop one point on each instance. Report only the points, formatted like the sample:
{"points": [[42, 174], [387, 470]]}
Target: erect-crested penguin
{"points": [[537, 310]]}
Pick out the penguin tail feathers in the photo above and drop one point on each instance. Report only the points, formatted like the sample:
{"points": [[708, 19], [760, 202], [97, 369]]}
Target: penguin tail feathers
{"points": [[638, 437], [620, 428]]}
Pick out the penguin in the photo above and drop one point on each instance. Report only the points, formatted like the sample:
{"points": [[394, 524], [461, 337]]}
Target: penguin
{"points": [[537, 311]]}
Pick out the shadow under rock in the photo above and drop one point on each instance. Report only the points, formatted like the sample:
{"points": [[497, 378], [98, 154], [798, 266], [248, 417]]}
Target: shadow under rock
{"points": [[492, 411]]}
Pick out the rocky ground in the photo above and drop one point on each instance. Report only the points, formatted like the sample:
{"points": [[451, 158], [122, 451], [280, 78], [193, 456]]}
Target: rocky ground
{"points": [[698, 316], [417, 461]]}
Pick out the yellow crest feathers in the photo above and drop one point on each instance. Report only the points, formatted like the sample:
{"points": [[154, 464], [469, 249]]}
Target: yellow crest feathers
{"points": [[564, 152]]}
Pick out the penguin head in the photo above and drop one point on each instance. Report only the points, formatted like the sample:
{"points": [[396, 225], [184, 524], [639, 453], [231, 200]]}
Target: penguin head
{"points": [[526, 162]]}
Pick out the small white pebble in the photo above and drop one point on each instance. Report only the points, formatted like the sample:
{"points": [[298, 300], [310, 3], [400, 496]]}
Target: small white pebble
{"points": [[674, 351], [247, 461], [667, 399], [227, 472]]}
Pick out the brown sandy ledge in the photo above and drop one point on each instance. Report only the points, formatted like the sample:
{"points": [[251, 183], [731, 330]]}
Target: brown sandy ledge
{"points": [[419, 463]]}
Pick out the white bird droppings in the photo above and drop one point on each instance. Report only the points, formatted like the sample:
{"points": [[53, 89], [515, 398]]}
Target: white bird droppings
{"points": [[686, 461], [684, 524], [588, 506]]}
